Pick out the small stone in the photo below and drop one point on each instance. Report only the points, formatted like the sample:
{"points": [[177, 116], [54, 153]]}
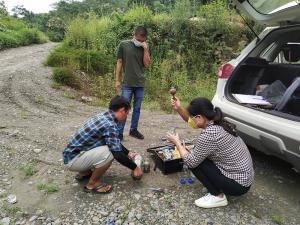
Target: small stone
{"points": [[96, 219], [5, 221], [57, 222], [86, 99], [33, 218], [39, 212], [220, 213], [12, 199], [37, 150], [104, 213], [131, 214], [138, 216], [137, 196]]}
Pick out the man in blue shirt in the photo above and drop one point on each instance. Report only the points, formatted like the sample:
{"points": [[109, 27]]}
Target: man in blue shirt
{"points": [[93, 147]]}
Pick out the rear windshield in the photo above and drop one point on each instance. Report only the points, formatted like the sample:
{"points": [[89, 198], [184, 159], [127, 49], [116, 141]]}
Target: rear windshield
{"points": [[271, 6]]}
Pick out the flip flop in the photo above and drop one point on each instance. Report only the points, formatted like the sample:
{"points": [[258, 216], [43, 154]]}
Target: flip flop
{"points": [[82, 178], [95, 189]]}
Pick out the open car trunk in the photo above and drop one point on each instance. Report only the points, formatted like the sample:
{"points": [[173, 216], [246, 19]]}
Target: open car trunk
{"points": [[277, 83]]}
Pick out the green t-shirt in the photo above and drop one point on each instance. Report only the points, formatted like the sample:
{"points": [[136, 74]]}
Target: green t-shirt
{"points": [[133, 64]]}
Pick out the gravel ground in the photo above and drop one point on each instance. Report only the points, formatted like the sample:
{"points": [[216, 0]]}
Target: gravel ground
{"points": [[35, 123]]}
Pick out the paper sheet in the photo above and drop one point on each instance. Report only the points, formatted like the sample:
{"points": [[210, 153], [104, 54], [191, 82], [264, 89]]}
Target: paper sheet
{"points": [[251, 99]]}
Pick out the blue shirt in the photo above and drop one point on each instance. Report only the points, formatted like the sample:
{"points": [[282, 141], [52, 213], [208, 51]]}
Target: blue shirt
{"points": [[98, 131]]}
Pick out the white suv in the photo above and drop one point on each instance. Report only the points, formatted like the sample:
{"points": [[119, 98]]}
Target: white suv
{"points": [[259, 91]]}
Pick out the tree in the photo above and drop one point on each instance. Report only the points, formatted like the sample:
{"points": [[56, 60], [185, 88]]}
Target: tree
{"points": [[3, 9], [21, 12]]}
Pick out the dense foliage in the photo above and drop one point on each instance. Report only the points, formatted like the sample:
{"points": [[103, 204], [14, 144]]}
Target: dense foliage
{"points": [[185, 49], [14, 32]]}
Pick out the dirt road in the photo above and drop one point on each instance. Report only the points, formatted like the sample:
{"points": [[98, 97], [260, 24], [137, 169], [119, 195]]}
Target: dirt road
{"points": [[35, 123]]}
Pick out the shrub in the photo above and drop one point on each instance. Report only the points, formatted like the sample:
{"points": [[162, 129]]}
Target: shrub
{"points": [[63, 56], [95, 62], [14, 33], [184, 52], [65, 76]]}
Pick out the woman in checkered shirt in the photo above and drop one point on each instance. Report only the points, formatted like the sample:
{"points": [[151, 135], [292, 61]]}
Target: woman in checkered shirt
{"points": [[220, 158]]}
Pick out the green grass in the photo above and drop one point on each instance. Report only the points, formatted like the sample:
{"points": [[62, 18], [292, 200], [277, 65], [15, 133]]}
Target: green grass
{"points": [[48, 187], [14, 33], [184, 54], [56, 85], [65, 76], [24, 114], [3, 195], [69, 94], [278, 219], [11, 210], [29, 169], [39, 99]]}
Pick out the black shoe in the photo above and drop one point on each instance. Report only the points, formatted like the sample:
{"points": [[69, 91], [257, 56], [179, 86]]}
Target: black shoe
{"points": [[121, 137], [136, 134]]}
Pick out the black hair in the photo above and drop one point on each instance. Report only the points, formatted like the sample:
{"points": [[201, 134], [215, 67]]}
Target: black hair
{"points": [[202, 106], [140, 30], [119, 102]]}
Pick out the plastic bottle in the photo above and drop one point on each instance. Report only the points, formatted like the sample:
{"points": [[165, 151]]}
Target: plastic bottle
{"points": [[185, 170], [138, 159]]}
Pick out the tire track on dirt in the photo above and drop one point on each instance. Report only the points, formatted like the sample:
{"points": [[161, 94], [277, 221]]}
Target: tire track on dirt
{"points": [[25, 84]]}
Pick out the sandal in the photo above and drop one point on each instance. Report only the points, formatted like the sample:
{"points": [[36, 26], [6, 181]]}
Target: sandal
{"points": [[95, 190]]}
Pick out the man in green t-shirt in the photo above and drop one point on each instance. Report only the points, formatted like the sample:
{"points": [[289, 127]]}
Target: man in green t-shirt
{"points": [[133, 57]]}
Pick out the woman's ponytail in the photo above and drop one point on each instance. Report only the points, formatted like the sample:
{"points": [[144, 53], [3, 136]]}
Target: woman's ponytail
{"points": [[219, 120]]}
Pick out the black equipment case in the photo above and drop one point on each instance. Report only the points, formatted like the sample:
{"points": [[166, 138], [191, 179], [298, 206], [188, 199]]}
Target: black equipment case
{"points": [[166, 166]]}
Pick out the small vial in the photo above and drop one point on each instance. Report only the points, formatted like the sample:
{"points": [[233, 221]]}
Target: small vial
{"points": [[172, 130], [146, 166]]}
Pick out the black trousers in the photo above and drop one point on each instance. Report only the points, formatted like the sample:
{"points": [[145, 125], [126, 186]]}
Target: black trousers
{"points": [[215, 182]]}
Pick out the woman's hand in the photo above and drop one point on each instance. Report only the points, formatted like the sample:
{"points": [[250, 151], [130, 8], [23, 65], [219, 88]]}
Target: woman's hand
{"points": [[175, 102], [174, 138]]}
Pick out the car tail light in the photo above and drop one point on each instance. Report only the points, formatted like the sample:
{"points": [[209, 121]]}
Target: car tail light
{"points": [[225, 70]]}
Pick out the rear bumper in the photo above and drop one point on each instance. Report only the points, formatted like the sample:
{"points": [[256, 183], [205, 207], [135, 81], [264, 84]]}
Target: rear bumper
{"points": [[267, 133]]}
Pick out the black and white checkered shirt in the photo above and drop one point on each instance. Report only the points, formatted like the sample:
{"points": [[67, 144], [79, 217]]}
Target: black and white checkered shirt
{"points": [[229, 153]]}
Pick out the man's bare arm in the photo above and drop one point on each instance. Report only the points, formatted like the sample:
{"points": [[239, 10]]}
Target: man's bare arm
{"points": [[118, 75], [146, 58]]}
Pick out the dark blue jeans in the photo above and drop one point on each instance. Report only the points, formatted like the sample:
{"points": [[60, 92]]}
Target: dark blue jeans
{"points": [[137, 93], [215, 182]]}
